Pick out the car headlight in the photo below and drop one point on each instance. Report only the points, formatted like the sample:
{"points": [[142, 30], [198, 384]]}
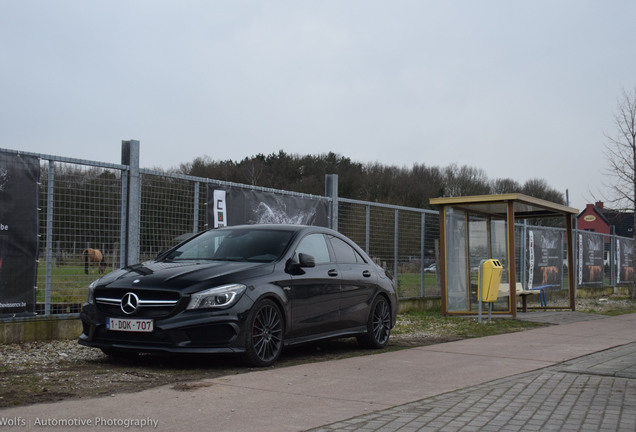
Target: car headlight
{"points": [[222, 296]]}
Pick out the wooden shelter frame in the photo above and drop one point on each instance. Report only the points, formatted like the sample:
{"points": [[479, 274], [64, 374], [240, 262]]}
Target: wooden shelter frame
{"points": [[509, 207]]}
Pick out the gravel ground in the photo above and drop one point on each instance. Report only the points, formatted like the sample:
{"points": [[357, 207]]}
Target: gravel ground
{"points": [[25, 356]]}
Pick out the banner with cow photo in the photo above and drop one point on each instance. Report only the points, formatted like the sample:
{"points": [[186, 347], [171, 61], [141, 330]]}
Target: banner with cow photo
{"points": [[19, 179], [228, 206], [590, 262], [545, 258], [624, 261]]}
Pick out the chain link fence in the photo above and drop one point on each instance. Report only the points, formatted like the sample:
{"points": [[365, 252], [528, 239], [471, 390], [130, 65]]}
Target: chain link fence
{"points": [[80, 212], [401, 239], [83, 206], [172, 210]]}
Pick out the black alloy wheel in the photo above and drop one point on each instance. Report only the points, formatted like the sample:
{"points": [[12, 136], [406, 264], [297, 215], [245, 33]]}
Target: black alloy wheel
{"points": [[264, 336], [378, 325]]}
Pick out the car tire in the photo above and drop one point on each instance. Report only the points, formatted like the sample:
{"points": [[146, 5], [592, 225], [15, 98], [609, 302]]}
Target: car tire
{"points": [[378, 325], [264, 335]]}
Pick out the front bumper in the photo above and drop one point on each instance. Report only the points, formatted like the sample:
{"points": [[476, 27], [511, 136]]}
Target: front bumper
{"points": [[186, 332]]}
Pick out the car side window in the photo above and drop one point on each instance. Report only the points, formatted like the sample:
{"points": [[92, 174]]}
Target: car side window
{"points": [[316, 246], [345, 254]]}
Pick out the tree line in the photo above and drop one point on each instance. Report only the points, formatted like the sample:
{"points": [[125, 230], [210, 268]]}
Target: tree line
{"points": [[375, 182], [87, 201]]}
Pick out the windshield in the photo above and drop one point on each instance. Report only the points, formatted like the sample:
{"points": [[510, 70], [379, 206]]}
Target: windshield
{"points": [[253, 245]]}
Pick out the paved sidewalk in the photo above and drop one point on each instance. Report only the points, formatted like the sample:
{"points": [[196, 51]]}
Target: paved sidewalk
{"points": [[594, 393], [577, 375], [591, 393]]}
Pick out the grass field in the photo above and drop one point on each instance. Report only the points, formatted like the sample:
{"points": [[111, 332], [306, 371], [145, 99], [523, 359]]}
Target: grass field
{"points": [[409, 285], [69, 284], [432, 324]]}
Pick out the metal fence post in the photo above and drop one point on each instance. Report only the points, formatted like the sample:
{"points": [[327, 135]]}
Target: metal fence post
{"points": [[524, 255], [396, 230], [574, 273], [48, 283], [331, 191], [124, 219], [367, 229], [195, 222], [612, 259], [130, 157], [422, 246]]}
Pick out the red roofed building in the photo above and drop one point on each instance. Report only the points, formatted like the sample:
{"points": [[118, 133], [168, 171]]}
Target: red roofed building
{"points": [[596, 218], [592, 219]]}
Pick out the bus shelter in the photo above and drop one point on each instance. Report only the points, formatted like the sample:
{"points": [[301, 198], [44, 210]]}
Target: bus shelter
{"points": [[474, 228]]}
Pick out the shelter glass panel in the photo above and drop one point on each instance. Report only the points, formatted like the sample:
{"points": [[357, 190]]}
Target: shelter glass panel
{"points": [[456, 261], [478, 250]]}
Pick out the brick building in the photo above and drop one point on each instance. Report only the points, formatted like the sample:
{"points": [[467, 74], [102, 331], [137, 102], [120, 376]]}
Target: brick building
{"points": [[596, 218]]}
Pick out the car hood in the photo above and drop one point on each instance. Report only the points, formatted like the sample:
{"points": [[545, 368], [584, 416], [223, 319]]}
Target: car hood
{"points": [[184, 274]]}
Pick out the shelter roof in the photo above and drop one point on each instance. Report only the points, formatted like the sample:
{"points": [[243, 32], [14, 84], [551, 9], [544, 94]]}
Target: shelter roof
{"points": [[497, 205]]}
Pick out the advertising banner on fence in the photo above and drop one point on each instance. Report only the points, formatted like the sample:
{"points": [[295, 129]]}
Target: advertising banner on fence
{"points": [[624, 261], [219, 209], [591, 249], [235, 206], [19, 178], [545, 250]]}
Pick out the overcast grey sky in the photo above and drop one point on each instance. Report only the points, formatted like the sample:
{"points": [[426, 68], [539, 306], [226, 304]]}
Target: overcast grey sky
{"points": [[521, 89]]}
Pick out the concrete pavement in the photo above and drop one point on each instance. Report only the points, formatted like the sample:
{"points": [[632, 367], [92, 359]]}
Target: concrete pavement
{"points": [[596, 392], [577, 375]]}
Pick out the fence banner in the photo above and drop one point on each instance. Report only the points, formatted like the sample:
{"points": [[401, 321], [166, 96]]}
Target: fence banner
{"points": [[546, 251], [19, 178], [219, 209], [248, 206], [591, 250], [625, 261]]}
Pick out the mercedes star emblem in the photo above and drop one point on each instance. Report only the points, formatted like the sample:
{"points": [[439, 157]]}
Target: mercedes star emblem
{"points": [[129, 303]]}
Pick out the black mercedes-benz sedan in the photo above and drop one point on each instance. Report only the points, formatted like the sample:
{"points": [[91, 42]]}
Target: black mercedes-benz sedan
{"points": [[249, 289]]}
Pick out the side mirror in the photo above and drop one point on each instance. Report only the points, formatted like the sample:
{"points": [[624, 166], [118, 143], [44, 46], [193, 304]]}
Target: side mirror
{"points": [[296, 268], [306, 260]]}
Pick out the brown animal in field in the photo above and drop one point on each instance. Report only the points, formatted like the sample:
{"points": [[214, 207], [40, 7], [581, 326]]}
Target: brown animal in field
{"points": [[94, 256], [595, 273], [549, 275], [627, 274]]}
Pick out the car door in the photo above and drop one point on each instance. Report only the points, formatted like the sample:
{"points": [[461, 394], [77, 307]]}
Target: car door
{"points": [[358, 284], [315, 293]]}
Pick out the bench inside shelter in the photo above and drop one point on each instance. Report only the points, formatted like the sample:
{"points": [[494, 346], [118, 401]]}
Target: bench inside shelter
{"points": [[504, 291]]}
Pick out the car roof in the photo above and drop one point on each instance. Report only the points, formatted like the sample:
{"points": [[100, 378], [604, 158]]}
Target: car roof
{"points": [[281, 227]]}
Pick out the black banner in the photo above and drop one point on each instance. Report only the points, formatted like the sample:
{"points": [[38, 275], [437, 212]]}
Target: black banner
{"points": [[591, 250], [236, 206], [19, 178], [545, 249], [624, 261]]}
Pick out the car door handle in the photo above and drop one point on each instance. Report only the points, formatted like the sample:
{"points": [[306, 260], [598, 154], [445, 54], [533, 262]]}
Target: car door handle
{"points": [[366, 273], [333, 272]]}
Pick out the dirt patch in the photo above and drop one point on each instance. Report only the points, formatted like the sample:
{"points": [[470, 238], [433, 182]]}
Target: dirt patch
{"points": [[186, 387]]}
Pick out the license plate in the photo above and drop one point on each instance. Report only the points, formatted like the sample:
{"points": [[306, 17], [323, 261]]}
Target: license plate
{"points": [[130, 325]]}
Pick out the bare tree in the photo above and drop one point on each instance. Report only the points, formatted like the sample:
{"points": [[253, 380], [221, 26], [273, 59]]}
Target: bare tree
{"points": [[465, 180], [504, 185], [620, 151]]}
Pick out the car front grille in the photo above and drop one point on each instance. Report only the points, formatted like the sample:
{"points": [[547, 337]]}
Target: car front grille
{"points": [[136, 303]]}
